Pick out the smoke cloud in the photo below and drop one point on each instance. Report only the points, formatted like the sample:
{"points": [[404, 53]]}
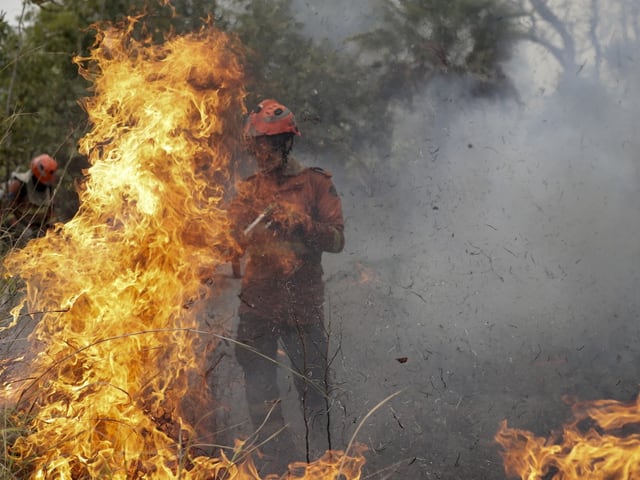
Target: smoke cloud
{"points": [[493, 269]]}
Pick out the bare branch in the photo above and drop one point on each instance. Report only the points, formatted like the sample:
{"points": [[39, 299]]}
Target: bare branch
{"points": [[593, 35], [565, 55]]}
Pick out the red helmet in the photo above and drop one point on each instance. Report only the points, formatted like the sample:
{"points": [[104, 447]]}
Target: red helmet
{"points": [[44, 168], [270, 118]]}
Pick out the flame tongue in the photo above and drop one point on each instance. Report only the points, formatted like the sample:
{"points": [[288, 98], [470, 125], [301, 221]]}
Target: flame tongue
{"points": [[116, 339], [602, 442]]}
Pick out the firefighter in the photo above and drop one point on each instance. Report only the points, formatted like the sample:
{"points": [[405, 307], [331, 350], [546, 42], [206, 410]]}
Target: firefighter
{"points": [[285, 215], [27, 200]]}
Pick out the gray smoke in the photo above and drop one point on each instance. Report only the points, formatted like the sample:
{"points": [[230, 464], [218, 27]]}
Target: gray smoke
{"points": [[491, 267], [498, 253]]}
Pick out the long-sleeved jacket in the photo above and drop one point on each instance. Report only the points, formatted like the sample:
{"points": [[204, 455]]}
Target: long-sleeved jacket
{"points": [[26, 204], [282, 281]]}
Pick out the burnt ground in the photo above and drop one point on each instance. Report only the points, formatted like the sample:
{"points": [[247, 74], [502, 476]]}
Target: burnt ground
{"points": [[485, 277], [458, 364], [472, 316], [495, 250], [466, 324]]}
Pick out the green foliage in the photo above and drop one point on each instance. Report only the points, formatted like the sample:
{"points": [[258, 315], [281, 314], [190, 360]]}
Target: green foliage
{"points": [[336, 100], [343, 97], [40, 87], [41, 112], [415, 40], [9, 45]]}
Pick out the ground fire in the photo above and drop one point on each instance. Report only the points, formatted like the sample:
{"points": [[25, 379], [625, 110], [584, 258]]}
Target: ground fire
{"points": [[602, 442], [115, 286]]}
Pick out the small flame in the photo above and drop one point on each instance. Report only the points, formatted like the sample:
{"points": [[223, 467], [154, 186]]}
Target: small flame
{"points": [[366, 274], [116, 340], [602, 442]]}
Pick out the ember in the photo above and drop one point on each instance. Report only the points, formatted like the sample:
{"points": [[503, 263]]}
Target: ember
{"points": [[602, 442], [116, 342]]}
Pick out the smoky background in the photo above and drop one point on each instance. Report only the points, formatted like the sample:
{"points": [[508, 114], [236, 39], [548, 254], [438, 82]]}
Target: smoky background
{"points": [[491, 264], [491, 271]]}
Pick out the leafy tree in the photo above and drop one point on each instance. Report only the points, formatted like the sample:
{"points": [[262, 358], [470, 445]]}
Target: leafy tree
{"points": [[343, 98], [345, 101], [47, 86], [416, 40], [336, 100], [9, 45], [41, 87]]}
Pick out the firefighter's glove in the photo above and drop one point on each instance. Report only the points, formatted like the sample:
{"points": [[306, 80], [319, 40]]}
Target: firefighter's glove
{"points": [[292, 222]]}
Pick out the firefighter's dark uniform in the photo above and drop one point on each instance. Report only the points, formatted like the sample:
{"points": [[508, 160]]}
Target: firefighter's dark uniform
{"points": [[27, 206], [282, 295]]}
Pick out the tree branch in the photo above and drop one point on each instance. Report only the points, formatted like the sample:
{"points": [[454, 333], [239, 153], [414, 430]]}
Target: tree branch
{"points": [[567, 55]]}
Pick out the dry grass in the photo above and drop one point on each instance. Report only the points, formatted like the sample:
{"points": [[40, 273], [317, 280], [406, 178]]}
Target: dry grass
{"points": [[12, 423], [13, 426]]}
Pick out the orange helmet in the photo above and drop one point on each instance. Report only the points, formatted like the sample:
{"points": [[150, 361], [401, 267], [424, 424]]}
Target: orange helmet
{"points": [[270, 118], [44, 168]]}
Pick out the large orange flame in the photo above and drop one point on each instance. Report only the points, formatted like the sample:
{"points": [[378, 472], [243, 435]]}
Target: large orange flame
{"points": [[602, 442], [116, 340]]}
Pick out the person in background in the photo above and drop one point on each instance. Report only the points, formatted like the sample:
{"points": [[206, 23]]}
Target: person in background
{"points": [[26, 200], [285, 216]]}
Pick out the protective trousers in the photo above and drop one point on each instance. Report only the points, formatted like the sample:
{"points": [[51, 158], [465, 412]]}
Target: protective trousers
{"points": [[306, 348]]}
